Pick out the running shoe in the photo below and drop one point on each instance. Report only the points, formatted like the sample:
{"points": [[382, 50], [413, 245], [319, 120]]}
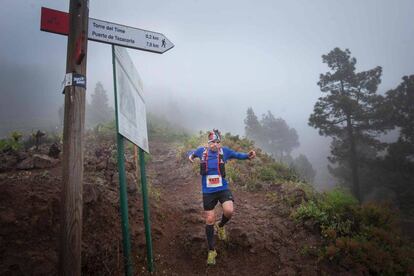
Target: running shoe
{"points": [[211, 259], [221, 232]]}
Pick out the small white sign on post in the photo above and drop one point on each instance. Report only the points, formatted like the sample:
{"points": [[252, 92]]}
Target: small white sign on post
{"points": [[132, 119]]}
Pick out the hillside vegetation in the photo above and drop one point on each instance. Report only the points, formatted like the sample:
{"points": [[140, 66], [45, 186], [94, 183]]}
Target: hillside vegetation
{"points": [[367, 236], [284, 224]]}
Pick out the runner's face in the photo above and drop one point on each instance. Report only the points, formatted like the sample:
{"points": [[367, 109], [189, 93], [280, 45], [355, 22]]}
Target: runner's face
{"points": [[214, 146]]}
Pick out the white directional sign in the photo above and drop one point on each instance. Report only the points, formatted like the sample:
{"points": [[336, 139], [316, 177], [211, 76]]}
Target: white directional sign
{"points": [[132, 117], [121, 35]]}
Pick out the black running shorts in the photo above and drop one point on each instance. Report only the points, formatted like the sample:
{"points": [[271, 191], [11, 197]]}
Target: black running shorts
{"points": [[210, 200]]}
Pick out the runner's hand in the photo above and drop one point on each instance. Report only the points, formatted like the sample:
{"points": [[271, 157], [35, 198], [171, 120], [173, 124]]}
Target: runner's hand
{"points": [[252, 154], [191, 158]]}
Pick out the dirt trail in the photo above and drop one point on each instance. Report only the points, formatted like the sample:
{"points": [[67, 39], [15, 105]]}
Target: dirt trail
{"points": [[263, 239]]}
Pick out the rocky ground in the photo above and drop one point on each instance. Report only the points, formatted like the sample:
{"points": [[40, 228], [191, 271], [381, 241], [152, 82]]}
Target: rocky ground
{"points": [[264, 240]]}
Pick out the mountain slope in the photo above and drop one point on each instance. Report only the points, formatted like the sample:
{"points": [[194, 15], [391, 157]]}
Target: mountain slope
{"points": [[264, 240]]}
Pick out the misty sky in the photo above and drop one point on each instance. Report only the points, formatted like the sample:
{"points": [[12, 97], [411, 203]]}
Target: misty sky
{"points": [[228, 56]]}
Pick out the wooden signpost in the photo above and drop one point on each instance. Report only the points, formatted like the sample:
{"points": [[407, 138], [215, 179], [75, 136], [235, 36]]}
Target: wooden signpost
{"points": [[80, 28]]}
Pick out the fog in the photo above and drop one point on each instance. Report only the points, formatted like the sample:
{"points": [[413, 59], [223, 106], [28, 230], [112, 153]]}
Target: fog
{"points": [[228, 56]]}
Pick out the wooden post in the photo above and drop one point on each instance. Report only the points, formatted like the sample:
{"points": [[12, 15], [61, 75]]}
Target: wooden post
{"points": [[73, 132]]}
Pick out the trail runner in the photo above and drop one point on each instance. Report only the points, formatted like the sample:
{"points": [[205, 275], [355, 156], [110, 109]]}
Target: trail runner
{"points": [[215, 187]]}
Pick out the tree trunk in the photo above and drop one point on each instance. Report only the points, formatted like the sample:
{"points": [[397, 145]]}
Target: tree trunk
{"points": [[353, 159]]}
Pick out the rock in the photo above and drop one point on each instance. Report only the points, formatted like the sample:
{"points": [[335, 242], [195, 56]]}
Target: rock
{"points": [[26, 164], [54, 151], [7, 161], [42, 161], [21, 155]]}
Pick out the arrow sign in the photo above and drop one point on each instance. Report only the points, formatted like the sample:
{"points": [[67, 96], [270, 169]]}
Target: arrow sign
{"points": [[125, 36], [102, 31]]}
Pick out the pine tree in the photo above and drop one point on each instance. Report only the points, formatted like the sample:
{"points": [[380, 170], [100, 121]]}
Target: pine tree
{"points": [[401, 101], [271, 134], [349, 111], [396, 170], [98, 110], [304, 168], [252, 126], [277, 137]]}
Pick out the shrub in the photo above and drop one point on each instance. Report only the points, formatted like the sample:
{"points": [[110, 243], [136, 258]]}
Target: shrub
{"points": [[375, 215], [267, 173], [311, 210], [364, 235], [337, 201], [105, 131], [11, 143], [232, 173]]}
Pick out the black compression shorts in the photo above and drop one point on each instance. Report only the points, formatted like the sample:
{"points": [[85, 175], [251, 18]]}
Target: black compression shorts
{"points": [[210, 200]]}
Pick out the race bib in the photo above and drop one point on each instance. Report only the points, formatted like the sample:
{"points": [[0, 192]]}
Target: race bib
{"points": [[214, 181]]}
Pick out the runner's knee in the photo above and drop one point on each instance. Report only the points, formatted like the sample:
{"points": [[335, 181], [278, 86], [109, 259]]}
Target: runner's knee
{"points": [[210, 218], [228, 211]]}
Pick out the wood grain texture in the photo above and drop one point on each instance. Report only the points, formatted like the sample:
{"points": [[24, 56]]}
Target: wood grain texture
{"points": [[73, 132]]}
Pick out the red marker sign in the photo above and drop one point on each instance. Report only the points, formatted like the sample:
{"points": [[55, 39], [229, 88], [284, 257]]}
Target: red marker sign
{"points": [[54, 21]]}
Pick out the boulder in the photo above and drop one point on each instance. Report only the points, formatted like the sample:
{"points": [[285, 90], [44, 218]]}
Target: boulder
{"points": [[26, 164], [42, 161]]}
